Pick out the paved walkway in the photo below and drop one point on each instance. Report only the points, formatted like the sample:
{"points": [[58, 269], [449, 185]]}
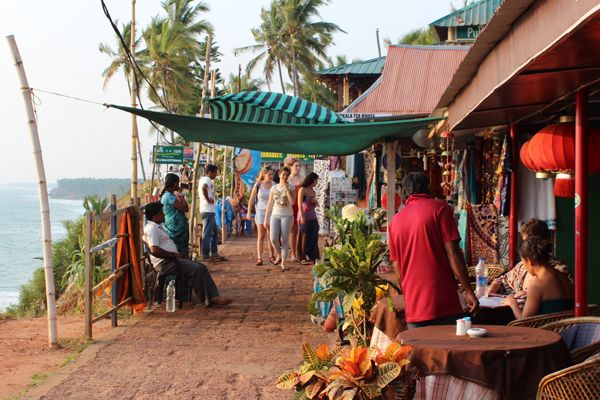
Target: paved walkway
{"points": [[234, 352]]}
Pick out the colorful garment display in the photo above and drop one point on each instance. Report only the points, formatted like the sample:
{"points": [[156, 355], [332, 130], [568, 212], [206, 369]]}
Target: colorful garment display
{"points": [[504, 239], [321, 168], [483, 233]]}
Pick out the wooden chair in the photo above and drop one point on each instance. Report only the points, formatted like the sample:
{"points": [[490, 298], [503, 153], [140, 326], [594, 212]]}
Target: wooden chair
{"points": [[539, 320], [581, 381], [158, 285], [581, 354]]}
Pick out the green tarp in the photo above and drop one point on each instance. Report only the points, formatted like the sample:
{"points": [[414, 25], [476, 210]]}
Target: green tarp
{"points": [[319, 139]]}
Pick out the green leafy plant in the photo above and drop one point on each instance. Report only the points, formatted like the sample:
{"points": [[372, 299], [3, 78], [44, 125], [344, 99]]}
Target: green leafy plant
{"points": [[345, 227], [351, 272], [363, 373]]}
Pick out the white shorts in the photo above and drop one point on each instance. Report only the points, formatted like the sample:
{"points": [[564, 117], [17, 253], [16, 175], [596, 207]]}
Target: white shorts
{"points": [[259, 218]]}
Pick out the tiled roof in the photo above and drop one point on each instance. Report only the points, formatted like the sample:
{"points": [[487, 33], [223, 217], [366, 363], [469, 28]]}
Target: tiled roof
{"points": [[369, 67], [478, 13], [413, 80]]}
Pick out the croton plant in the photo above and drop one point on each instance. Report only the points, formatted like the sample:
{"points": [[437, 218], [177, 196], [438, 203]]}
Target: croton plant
{"points": [[363, 374]]}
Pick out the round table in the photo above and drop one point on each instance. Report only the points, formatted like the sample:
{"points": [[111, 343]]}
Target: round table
{"points": [[511, 360]]}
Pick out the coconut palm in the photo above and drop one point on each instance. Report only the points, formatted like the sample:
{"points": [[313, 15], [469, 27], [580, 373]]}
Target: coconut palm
{"points": [[247, 84], [306, 40], [269, 45], [421, 36], [185, 15], [120, 61]]}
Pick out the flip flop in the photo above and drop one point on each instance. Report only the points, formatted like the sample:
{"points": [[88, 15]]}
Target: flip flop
{"points": [[294, 260], [283, 269], [215, 259], [306, 262], [276, 262], [259, 261], [272, 259]]}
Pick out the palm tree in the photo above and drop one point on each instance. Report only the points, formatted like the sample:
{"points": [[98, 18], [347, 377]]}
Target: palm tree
{"points": [[183, 14], [269, 45], [306, 40], [421, 36], [94, 204], [247, 84], [465, 3], [119, 56]]}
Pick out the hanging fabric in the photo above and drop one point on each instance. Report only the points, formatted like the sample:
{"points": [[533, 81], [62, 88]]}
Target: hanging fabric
{"points": [[473, 176], [360, 173], [483, 233]]}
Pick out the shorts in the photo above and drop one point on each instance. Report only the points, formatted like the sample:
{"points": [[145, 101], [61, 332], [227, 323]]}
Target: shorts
{"points": [[259, 218]]}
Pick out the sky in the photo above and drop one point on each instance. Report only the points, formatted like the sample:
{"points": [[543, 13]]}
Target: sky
{"points": [[58, 43]]}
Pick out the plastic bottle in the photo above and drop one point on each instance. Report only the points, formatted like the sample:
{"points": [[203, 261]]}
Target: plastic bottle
{"points": [[171, 297], [481, 288]]}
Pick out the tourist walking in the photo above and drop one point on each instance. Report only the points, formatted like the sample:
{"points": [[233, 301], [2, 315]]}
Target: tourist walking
{"points": [[295, 179], [210, 231], [261, 192], [176, 222], [423, 241], [279, 216], [308, 238]]}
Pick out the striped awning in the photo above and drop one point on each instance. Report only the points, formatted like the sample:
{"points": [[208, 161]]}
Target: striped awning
{"points": [[270, 108]]}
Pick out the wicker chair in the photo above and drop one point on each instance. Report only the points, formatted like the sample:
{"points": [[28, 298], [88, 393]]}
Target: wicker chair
{"points": [[539, 320], [581, 381], [494, 271], [582, 353]]}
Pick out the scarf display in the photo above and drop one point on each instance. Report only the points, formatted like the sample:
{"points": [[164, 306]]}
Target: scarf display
{"points": [[483, 233]]}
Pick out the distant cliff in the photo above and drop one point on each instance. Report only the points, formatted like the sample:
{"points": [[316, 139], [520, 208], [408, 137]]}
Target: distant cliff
{"points": [[80, 187]]}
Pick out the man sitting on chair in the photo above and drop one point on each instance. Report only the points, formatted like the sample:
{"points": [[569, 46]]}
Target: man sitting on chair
{"points": [[160, 243]]}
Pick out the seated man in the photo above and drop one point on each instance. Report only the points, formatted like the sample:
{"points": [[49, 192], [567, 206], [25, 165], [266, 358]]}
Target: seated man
{"points": [[160, 243], [516, 281]]}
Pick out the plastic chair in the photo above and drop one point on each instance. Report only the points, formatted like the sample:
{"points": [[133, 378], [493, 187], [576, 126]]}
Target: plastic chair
{"points": [[581, 381], [228, 215], [539, 320], [247, 228], [582, 335]]}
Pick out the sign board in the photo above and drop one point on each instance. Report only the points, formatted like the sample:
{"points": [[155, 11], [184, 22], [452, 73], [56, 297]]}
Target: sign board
{"points": [[350, 117], [341, 184], [168, 154], [279, 157], [468, 32]]}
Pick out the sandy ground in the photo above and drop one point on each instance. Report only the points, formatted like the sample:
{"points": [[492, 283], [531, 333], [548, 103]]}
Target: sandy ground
{"points": [[233, 352], [24, 349]]}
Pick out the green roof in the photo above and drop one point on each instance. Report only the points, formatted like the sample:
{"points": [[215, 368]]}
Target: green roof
{"points": [[476, 14], [369, 67]]}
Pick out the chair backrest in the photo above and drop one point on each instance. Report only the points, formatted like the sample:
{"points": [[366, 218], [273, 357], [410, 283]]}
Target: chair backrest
{"points": [[540, 320], [581, 381]]}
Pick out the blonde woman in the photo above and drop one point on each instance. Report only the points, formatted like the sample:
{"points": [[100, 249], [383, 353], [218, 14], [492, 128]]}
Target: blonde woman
{"points": [[280, 215], [295, 179], [261, 192]]}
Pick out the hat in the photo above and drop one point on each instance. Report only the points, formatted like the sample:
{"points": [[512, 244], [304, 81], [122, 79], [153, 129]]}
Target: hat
{"points": [[350, 212]]}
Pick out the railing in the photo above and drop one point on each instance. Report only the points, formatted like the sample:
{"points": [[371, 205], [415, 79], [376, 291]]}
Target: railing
{"points": [[115, 273]]}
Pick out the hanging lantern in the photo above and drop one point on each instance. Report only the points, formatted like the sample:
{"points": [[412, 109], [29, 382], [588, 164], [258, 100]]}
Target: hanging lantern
{"points": [[553, 149], [529, 164], [447, 163]]}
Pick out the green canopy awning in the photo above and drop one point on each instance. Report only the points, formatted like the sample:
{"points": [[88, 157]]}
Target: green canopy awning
{"points": [[320, 139]]}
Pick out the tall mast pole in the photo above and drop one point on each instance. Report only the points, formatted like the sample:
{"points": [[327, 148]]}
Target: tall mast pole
{"points": [[134, 132], [42, 191]]}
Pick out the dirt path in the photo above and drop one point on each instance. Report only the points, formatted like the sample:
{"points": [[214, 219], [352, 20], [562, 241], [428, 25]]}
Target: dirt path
{"points": [[24, 349], [234, 352]]}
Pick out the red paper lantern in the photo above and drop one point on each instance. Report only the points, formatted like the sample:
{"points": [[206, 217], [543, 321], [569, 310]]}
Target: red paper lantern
{"points": [[529, 164], [553, 149]]}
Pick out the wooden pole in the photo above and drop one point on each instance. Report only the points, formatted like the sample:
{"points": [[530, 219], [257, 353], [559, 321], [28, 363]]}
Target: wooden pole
{"points": [[88, 275], [240, 79], [134, 133], [391, 182], [42, 192], [581, 201], [513, 229], [378, 45], [199, 149], [113, 258], [223, 192]]}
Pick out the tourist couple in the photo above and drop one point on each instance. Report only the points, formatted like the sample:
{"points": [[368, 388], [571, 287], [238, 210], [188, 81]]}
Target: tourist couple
{"points": [[279, 216]]}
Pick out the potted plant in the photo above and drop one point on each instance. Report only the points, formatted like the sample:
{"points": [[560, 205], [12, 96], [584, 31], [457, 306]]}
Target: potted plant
{"points": [[363, 373]]}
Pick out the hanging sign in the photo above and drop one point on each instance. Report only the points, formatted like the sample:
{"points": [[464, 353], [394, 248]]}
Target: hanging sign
{"points": [[341, 184], [168, 154], [279, 157]]}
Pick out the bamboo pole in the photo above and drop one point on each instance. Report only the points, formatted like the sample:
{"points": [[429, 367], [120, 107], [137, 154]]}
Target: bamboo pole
{"points": [[42, 192], [134, 132], [378, 45], [88, 275], [223, 208], [113, 257], [198, 150], [391, 182]]}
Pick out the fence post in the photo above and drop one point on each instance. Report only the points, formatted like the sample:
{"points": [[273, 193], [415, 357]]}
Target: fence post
{"points": [[88, 275], [113, 258]]}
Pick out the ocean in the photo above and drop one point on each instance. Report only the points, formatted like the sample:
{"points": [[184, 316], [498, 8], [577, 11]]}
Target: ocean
{"points": [[21, 234]]}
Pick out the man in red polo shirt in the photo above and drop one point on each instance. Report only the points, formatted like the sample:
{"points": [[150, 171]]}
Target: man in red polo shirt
{"points": [[423, 240]]}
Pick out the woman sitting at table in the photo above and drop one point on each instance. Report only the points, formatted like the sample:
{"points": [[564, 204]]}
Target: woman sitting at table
{"points": [[550, 290]]}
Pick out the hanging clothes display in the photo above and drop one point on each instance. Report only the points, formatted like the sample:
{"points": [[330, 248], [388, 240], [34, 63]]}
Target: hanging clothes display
{"points": [[473, 177], [321, 168], [508, 167], [361, 173], [483, 233], [463, 230], [500, 178], [464, 188], [371, 184], [504, 239]]}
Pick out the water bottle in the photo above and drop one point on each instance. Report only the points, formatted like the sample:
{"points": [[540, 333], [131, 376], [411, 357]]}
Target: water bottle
{"points": [[171, 297], [481, 288]]}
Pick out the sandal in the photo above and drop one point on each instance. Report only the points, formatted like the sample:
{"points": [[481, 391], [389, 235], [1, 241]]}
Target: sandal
{"points": [[294, 260], [284, 268], [306, 262], [277, 262], [272, 259], [259, 261]]}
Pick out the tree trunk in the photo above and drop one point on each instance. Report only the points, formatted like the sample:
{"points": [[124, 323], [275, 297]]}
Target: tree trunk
{"points": [[43, 193], [281, 76], [294, 67]]}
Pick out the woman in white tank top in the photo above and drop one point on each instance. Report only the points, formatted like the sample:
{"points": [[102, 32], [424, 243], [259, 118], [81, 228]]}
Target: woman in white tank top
{"points": [[261, 191]]}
